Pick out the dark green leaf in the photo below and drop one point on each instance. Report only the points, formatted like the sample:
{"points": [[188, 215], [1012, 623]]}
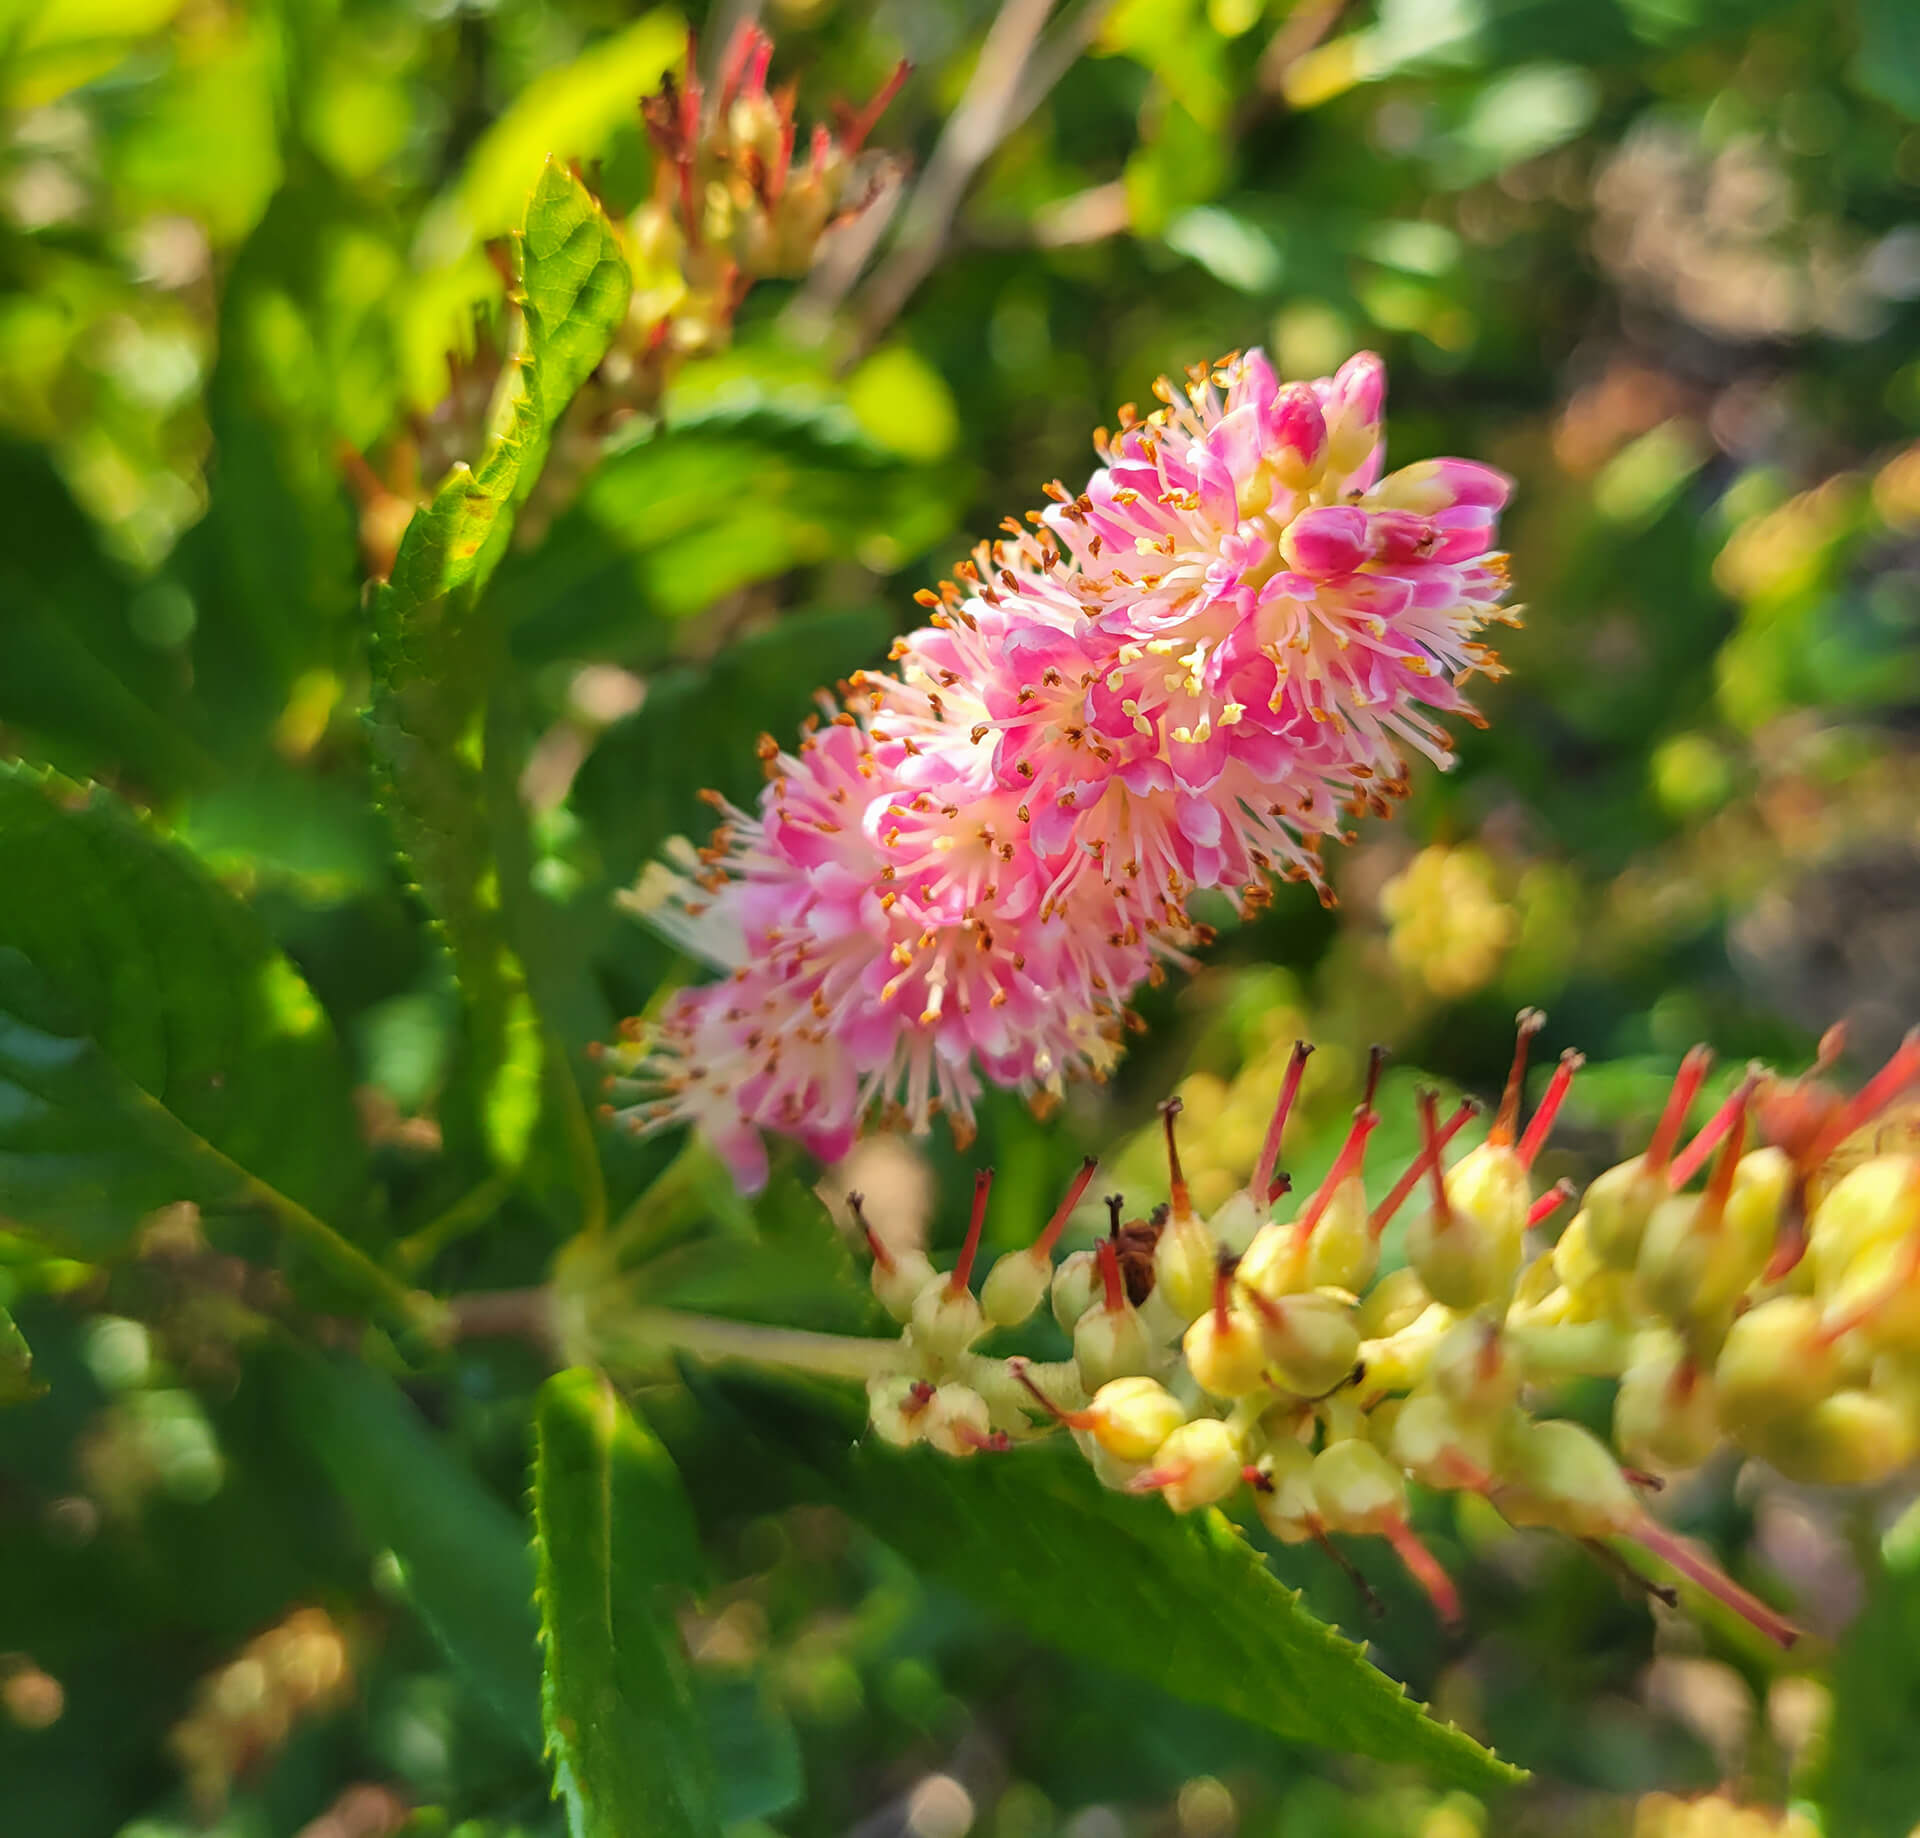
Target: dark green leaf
{"points": [[75, 671], [463, 1554], [613, 1526], [447, 782], [756, 1754], [1184, 1602], [153, 1043], [17, 1382], [1870, 1787]]}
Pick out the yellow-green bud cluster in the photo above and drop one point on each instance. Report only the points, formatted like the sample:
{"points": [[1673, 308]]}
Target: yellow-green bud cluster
{"points": [[1778, 1308]]}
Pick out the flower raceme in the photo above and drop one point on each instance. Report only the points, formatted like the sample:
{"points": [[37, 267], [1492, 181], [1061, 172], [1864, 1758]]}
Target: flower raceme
{"points": [[1212, 1355], [1185, 676]]}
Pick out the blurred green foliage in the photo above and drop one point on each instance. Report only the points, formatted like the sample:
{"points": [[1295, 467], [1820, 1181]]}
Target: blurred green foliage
{"points": [[1658, 258]]}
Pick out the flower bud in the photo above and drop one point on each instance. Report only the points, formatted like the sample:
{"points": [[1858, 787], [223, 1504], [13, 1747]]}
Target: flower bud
{"points": [[1854, 1438], [1110, 1341], [1874, 1204], [1198, 1465], [1275, 1263], [1310, 1342], [945, 1321], [1619, 1203], [1396, 1301], [1296, 434], [1473, 1366], [900, 1280], [1776, 1361], [1283, 1495], [1183, 1262], [898, 1408], [1076, 1287], [1442, 1446], [1185, 1253], [1358, 1489], [1223, 1347], [1665, 1414], [1490, 1190], [1015, 1284], [1014, 1288], [1556, 1474], [959, 1423], [1133, 1417], [1402, 1359]]}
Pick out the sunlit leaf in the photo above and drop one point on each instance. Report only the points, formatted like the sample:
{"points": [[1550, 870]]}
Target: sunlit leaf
{"points": [[1184, 1602], [436, 653], [612, 1529]]}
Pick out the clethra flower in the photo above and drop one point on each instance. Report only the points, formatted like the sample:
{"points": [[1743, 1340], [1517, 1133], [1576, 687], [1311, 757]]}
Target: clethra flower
{"points": [[1183, 677]]}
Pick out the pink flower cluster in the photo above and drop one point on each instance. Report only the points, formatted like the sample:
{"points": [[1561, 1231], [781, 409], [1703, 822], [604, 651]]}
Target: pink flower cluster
{"points": [[1182, 677]]}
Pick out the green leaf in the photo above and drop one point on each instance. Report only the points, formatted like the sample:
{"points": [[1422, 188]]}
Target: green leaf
{"points": [[154, 1045], [17, 1383], [462, 1554], [446, 767], [1888, 63], [1870, 1785], [1184, 1602], [741, 487], [612, 1526]]}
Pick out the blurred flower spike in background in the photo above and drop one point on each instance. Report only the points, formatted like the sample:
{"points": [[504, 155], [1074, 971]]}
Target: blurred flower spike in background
{"points": [[1182, 677]]}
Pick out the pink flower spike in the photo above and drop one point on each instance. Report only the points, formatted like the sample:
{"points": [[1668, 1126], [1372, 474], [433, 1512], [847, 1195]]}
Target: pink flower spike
{"points": [[1541, 1127], [1262, 1176]]}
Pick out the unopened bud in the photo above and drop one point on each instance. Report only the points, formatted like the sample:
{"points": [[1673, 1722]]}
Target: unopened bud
{"points": [[1397, 1300], [959, 1423], [1666, 1414], [1875, 1204], [1473, 1366], [1776, 1361], [900, 1280], [1441, 1445], [898, 1408], [1854, 1438], [1076, 1287], [1556, 1474], [1275, 1262], [1132, 1417], [1224, 1351], [1198, 1465], [1357, 1487], [1183, 1264], [945, 1321], [1014, 1288], [1283, 1493], [1310, 1341], [1110, 1341]]}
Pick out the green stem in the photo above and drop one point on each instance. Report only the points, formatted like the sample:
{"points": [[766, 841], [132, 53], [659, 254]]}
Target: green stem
{"points": [[411, 1307], [398, 1301], [708, 1337], [473, 1209]]}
